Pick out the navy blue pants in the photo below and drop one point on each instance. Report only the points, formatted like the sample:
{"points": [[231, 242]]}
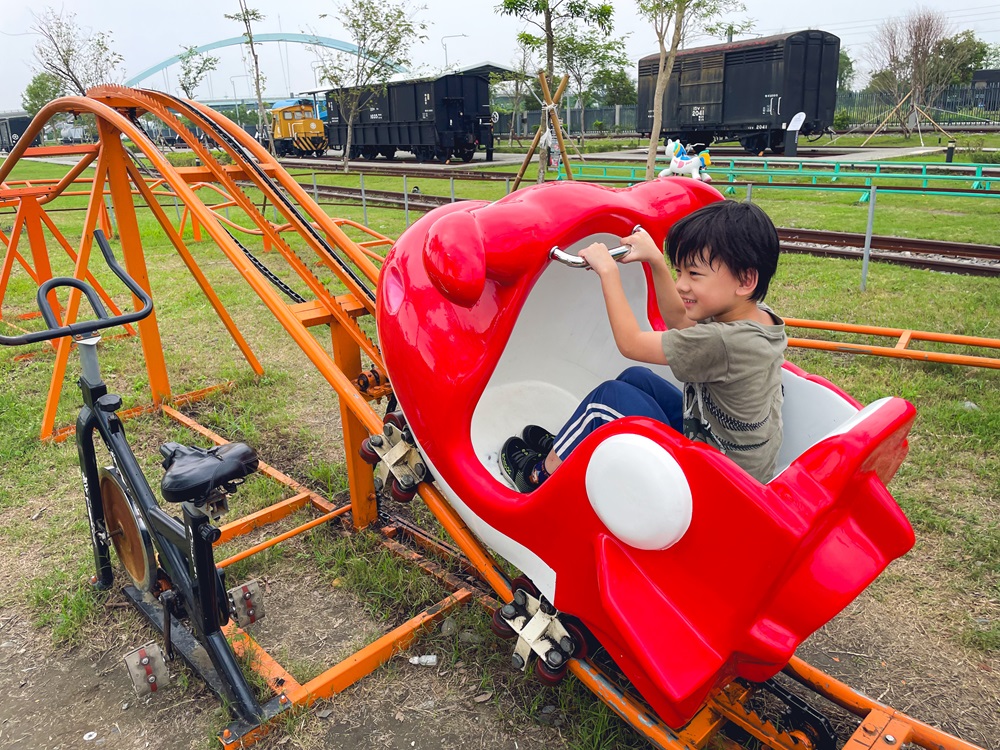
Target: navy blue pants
{"points": [[637, 392]]}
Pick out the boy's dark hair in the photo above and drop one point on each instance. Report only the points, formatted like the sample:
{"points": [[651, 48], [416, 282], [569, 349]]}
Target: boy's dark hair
{"points": [[739, 235]]}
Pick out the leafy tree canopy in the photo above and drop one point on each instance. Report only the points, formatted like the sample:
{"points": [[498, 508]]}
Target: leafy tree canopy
{"points": [[613, 86], [42, 89]]}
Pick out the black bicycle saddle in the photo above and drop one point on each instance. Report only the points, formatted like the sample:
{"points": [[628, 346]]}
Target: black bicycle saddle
{"points": [[193, 473]]}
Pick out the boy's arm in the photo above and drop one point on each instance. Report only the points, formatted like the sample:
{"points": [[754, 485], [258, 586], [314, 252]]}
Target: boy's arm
{"points": [[667, 299], [632, 342]]}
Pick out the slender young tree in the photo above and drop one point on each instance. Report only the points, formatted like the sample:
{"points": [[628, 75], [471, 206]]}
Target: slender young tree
{"points": [[383, 32], [77, 57], [194, 67], [583, 52], [248, 17], [547, 15], [674, 17]]}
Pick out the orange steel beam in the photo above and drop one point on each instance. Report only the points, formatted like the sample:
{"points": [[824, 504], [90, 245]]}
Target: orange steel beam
{"points": [[861, 705], [901, 348], [270, 514], [250, 551]]}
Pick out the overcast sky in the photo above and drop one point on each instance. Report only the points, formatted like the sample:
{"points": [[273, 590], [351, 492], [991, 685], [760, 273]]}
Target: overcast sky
{"points": [[147, 32]]}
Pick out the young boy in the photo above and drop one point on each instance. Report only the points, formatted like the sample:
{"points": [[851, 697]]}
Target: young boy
{"points": [[722, 344]]}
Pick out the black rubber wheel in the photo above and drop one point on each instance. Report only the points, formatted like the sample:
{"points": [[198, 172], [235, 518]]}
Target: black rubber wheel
{"points": [[368, 454], [500, 626], [400, 494], [548, 676]]}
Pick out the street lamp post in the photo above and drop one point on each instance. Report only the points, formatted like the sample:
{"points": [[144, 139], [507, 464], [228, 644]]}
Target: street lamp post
{"points": [[232, 80], [445, 46]]}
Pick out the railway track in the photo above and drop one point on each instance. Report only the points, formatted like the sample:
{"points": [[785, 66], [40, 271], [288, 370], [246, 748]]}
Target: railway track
{"points": [[951, 257]]}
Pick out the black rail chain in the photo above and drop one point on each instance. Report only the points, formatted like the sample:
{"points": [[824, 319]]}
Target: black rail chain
{"points": [[267, 273], [223, 137]]}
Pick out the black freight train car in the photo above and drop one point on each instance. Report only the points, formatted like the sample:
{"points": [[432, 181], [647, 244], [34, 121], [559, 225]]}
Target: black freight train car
{"points": [[746, 91], [442, 118], [11, 129]]}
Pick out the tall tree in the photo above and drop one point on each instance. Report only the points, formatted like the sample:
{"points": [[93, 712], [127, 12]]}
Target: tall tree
{"points": [[42, 89], [675, 16], [613, 86], [194, 67], [909, 67], [515, 86], [967, 54], [547, 15], [581, 53], [78, 58], [383, 32], [845, 71], [248, 17]]}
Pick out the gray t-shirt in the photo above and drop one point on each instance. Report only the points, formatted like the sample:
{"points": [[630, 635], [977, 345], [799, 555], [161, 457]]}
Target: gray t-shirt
{"points": [[732, 387]]}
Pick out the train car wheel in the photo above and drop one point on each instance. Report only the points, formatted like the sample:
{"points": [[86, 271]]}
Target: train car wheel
{"points": [[388, 153], [369, 152], [467, 155], [127, 531]]}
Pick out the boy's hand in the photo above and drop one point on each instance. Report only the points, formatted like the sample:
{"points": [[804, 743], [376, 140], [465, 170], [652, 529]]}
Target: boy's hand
{"points": [[643, 248], [599, 259]]}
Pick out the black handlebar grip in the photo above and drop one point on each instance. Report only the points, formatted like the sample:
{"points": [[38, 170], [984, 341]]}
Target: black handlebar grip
{"points": [[54, 331]]}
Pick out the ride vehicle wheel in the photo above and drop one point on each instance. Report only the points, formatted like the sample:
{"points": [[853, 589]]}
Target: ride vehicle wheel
{"points": [[500, 626], [367, 453], [579, 650], [400, 494], [548, 676], [395, 418], [127, 531], [525, 585]]}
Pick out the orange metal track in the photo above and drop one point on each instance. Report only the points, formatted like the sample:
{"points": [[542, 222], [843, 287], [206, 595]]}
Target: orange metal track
{"points": [[324, 237]]}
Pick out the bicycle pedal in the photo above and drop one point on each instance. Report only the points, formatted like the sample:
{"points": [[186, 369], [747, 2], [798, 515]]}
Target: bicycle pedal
{"points": [[147, 668], [246, 603]]}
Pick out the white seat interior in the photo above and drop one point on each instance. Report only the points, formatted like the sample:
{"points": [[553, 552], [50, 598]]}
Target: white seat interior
{"points": [[562, 347]]}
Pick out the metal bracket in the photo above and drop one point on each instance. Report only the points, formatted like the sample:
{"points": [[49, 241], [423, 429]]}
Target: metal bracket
{"points": [[147, 668], [246, 603], [400, 458], [539, 630]]}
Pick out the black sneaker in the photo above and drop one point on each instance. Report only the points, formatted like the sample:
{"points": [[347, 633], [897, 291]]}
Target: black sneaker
{"points": [[538, 439], [516, 462]]}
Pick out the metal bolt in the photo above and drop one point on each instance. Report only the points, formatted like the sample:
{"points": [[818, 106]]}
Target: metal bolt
{"points": [[521, 598], [517, 661], [889, 739], [406, 482], [547, 608], [420, 469], [283, 699], [554, 658], [144, 660], [508, 612], [379, 484], [246, 595], [376, 440], [388, 430], [151, 679], [250, 612], [566, 644]]}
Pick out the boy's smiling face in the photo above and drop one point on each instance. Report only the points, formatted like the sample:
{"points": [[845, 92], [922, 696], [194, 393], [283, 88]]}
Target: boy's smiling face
{"points": [[713, 291]]}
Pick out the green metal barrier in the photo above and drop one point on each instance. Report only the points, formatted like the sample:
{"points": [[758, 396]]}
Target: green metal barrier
{"points": [[873, 173]]}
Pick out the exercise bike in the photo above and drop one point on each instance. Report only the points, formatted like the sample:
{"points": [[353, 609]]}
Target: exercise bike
{"points": [[170, 561]]}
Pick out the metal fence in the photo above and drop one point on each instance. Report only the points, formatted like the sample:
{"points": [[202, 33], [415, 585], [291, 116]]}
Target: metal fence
{"points": [[957, 105]]}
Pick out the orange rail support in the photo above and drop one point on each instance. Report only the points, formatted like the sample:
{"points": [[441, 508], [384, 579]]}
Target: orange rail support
{"points": [[901, 348]]}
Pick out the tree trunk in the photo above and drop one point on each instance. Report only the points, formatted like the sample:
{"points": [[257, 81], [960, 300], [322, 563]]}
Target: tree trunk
{"points": [[550, 51], [347, 142], [662, 78]]}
